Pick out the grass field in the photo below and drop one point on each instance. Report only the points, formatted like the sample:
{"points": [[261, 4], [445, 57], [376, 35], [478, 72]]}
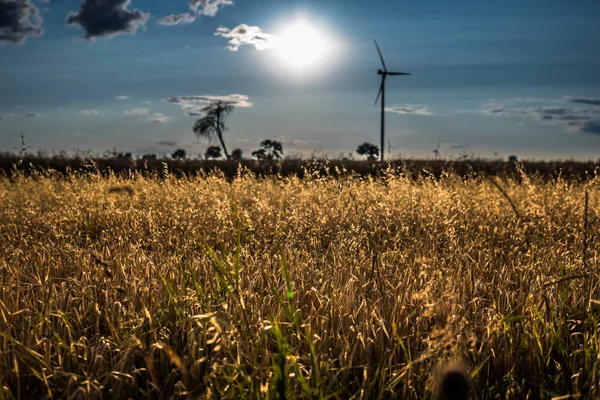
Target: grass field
{"points": [[288, 288]]}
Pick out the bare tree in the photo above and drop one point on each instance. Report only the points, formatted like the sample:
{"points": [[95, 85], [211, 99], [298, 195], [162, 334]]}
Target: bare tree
{"points": [[213, 123]]}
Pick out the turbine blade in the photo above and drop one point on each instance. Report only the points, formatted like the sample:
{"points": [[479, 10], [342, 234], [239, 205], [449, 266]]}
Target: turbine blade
{"points": [[380, 91], [398, 73], [380, 56]]}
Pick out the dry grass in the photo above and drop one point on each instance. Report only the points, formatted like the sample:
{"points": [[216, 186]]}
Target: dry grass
{"points": [[267, 288]]}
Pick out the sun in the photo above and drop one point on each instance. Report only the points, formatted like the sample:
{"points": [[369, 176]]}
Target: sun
{"points": [[301, 45]]}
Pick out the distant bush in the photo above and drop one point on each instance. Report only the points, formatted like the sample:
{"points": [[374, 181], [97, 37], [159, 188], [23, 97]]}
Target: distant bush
{"points": [[179, 154], [149, 166]]}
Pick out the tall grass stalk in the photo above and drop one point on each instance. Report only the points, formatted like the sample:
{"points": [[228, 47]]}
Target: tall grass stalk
{"points": [[353, 287]]}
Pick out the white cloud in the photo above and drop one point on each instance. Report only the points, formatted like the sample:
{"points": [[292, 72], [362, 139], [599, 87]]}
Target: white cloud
{"points": [[90, 112], [120, 98], [193, 105], [209, 7], [533, 99], [246, 35], [159, 118], [410, 109], [137, 111], [294, 142], [177, 19]]}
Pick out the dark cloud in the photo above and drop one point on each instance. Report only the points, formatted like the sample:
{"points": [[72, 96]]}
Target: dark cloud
{"points": [[107, 18], [246, 35], [591, 127], [18, 20], [177, 19], [592, 101], [582, 119], [554, 111], [31, 115], [167, 143], [542, 113], [209, 7]]}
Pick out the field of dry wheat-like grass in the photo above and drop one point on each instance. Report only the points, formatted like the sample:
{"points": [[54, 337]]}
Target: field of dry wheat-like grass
{"points": [[288, 288]]}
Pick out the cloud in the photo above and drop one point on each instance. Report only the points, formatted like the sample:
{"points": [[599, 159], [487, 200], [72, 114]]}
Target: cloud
{"points": [[410, 109], [90, 112], [542, 113], [246, 35], [237, 100], [19, 19], [8, 116], [193, 105], [574, 118], [592, 101], [177, 19], [107, 18], [167, 143], [591, 127], [209, 7], [284, 140], [159, 118], [294, 142], [31, 115], [137, 111], [120, 98], [536, 100]]}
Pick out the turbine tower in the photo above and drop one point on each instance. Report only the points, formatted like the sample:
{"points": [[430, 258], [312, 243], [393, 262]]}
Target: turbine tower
{"points": [[384, 73], [436, 151]]}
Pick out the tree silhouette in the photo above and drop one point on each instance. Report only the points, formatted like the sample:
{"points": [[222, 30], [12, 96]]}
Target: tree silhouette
{"points": [[259, 154], [179, 154], [213, 123], [146, 157], [114, 153], [270, 149], [369, 150], [237, 154], [213, 152]]}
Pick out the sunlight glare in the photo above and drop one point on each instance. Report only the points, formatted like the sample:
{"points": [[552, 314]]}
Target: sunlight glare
{"points": [[301, 45]]}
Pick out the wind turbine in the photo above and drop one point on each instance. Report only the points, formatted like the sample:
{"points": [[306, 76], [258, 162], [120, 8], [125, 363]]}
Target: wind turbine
{"points": [[384, 73], [436, 151]]}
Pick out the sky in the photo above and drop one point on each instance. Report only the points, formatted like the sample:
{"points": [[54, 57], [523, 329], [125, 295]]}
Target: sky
{"points": [[488, 78]]}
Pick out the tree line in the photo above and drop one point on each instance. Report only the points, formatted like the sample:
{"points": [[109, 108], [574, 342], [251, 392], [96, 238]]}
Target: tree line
{"points": [[212, 126]]}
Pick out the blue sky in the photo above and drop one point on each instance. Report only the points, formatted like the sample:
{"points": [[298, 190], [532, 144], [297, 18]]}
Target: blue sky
{"points": [[489, 78]]}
